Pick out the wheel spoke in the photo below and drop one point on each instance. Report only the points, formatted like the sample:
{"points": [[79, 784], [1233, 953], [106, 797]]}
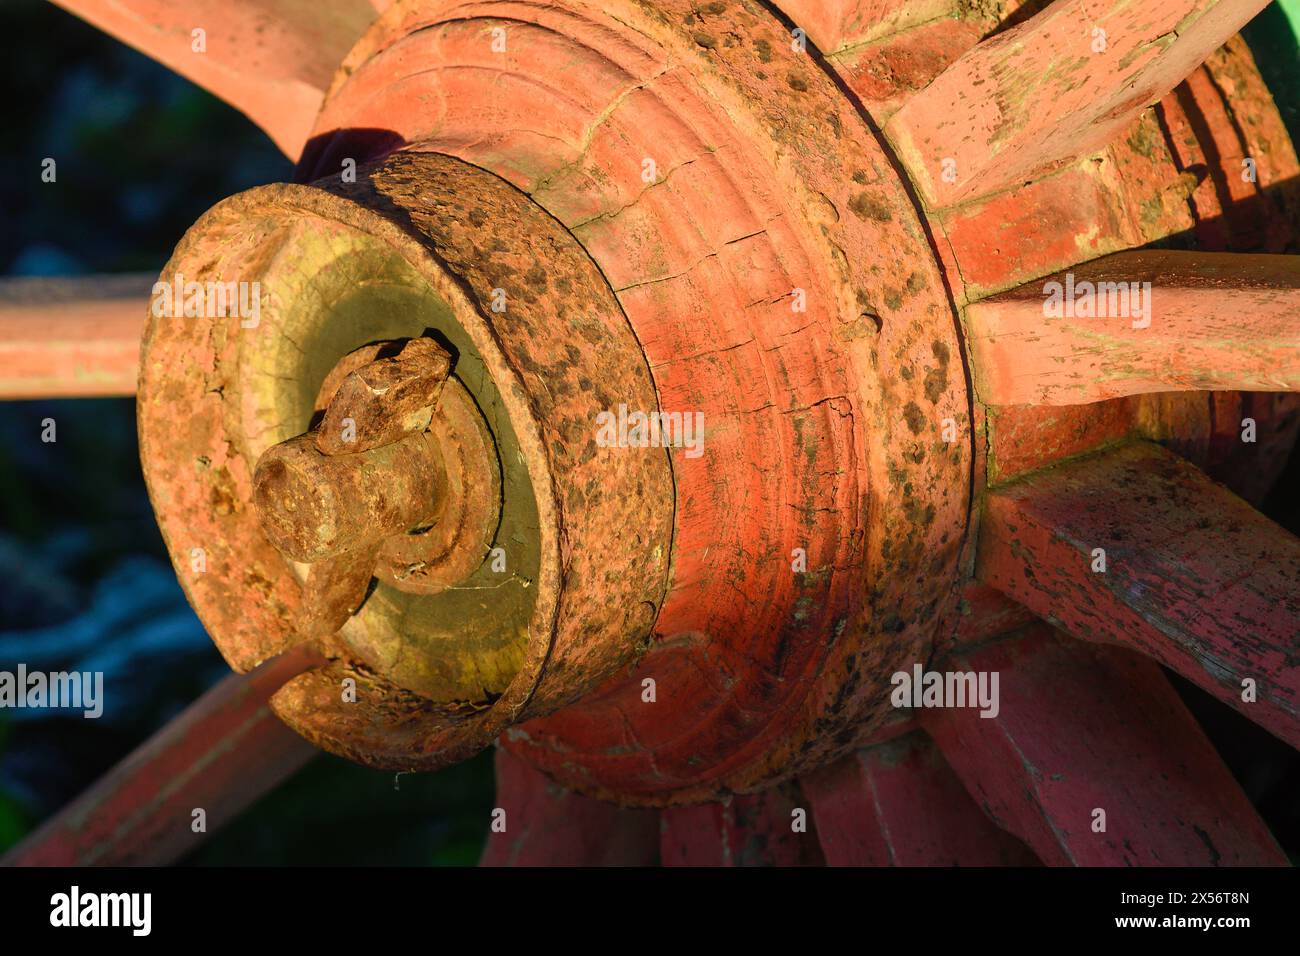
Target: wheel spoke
{"points": [[746, 830], [223, 753], [1175, 321], [72, 337], [836, 24], [270, 59], [899, 804], [546, 825], [1193, 576], [1084, 729], [1051, 89]]}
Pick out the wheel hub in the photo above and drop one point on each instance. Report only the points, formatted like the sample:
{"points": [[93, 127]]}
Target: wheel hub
{"points": [[441, 470], [643, 209], [728, 209]]}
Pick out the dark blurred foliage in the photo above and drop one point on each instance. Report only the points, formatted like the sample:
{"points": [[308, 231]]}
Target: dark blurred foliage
{"points": [[336, 813], [141, 153], [86, 583], [88, 587]]}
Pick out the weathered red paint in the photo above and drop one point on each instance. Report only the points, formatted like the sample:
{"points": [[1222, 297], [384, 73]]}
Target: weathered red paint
{"points": [[1249, 469], [772, 828], [546, 825], [1203, 427], [1024, 438], [769, 183], [899, 804], [270, 59], [1197, 321], [1054, 222], [1038, 94], [836, 24], [885, 73], [1161, 177], [1234, 202], [1082, 729], [223, 753], [71, 337], [706, 262], [1194, 577], [986, 613]]}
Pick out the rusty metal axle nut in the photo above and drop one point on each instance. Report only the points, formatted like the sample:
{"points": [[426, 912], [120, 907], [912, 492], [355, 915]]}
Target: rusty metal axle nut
{"points": [[384, 400], [367, 472], [315, 505]]}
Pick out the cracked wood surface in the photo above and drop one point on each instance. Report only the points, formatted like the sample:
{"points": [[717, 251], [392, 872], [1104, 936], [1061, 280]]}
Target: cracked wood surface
{"points": [[1214, 321], [1195, 577], [1049, 90], [1082, 729], [765, 189]]}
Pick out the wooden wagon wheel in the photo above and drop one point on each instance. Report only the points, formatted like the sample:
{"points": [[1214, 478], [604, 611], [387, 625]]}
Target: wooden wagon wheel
{"points": [[971, 302]]}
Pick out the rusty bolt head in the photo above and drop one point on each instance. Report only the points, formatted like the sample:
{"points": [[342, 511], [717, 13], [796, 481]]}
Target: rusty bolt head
{"points": [[385, 400], [333, 495], [315, 506], [367, 472]]}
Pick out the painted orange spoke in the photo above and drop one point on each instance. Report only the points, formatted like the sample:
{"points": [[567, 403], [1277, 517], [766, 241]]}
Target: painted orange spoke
{"points": [[1193, 576], [219, 756], [743, 830], [1136, 322], [899, 804], [71, 337], [1058, 86], [536, 823], [270, 59], [1093, 760], [835, 24]]}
